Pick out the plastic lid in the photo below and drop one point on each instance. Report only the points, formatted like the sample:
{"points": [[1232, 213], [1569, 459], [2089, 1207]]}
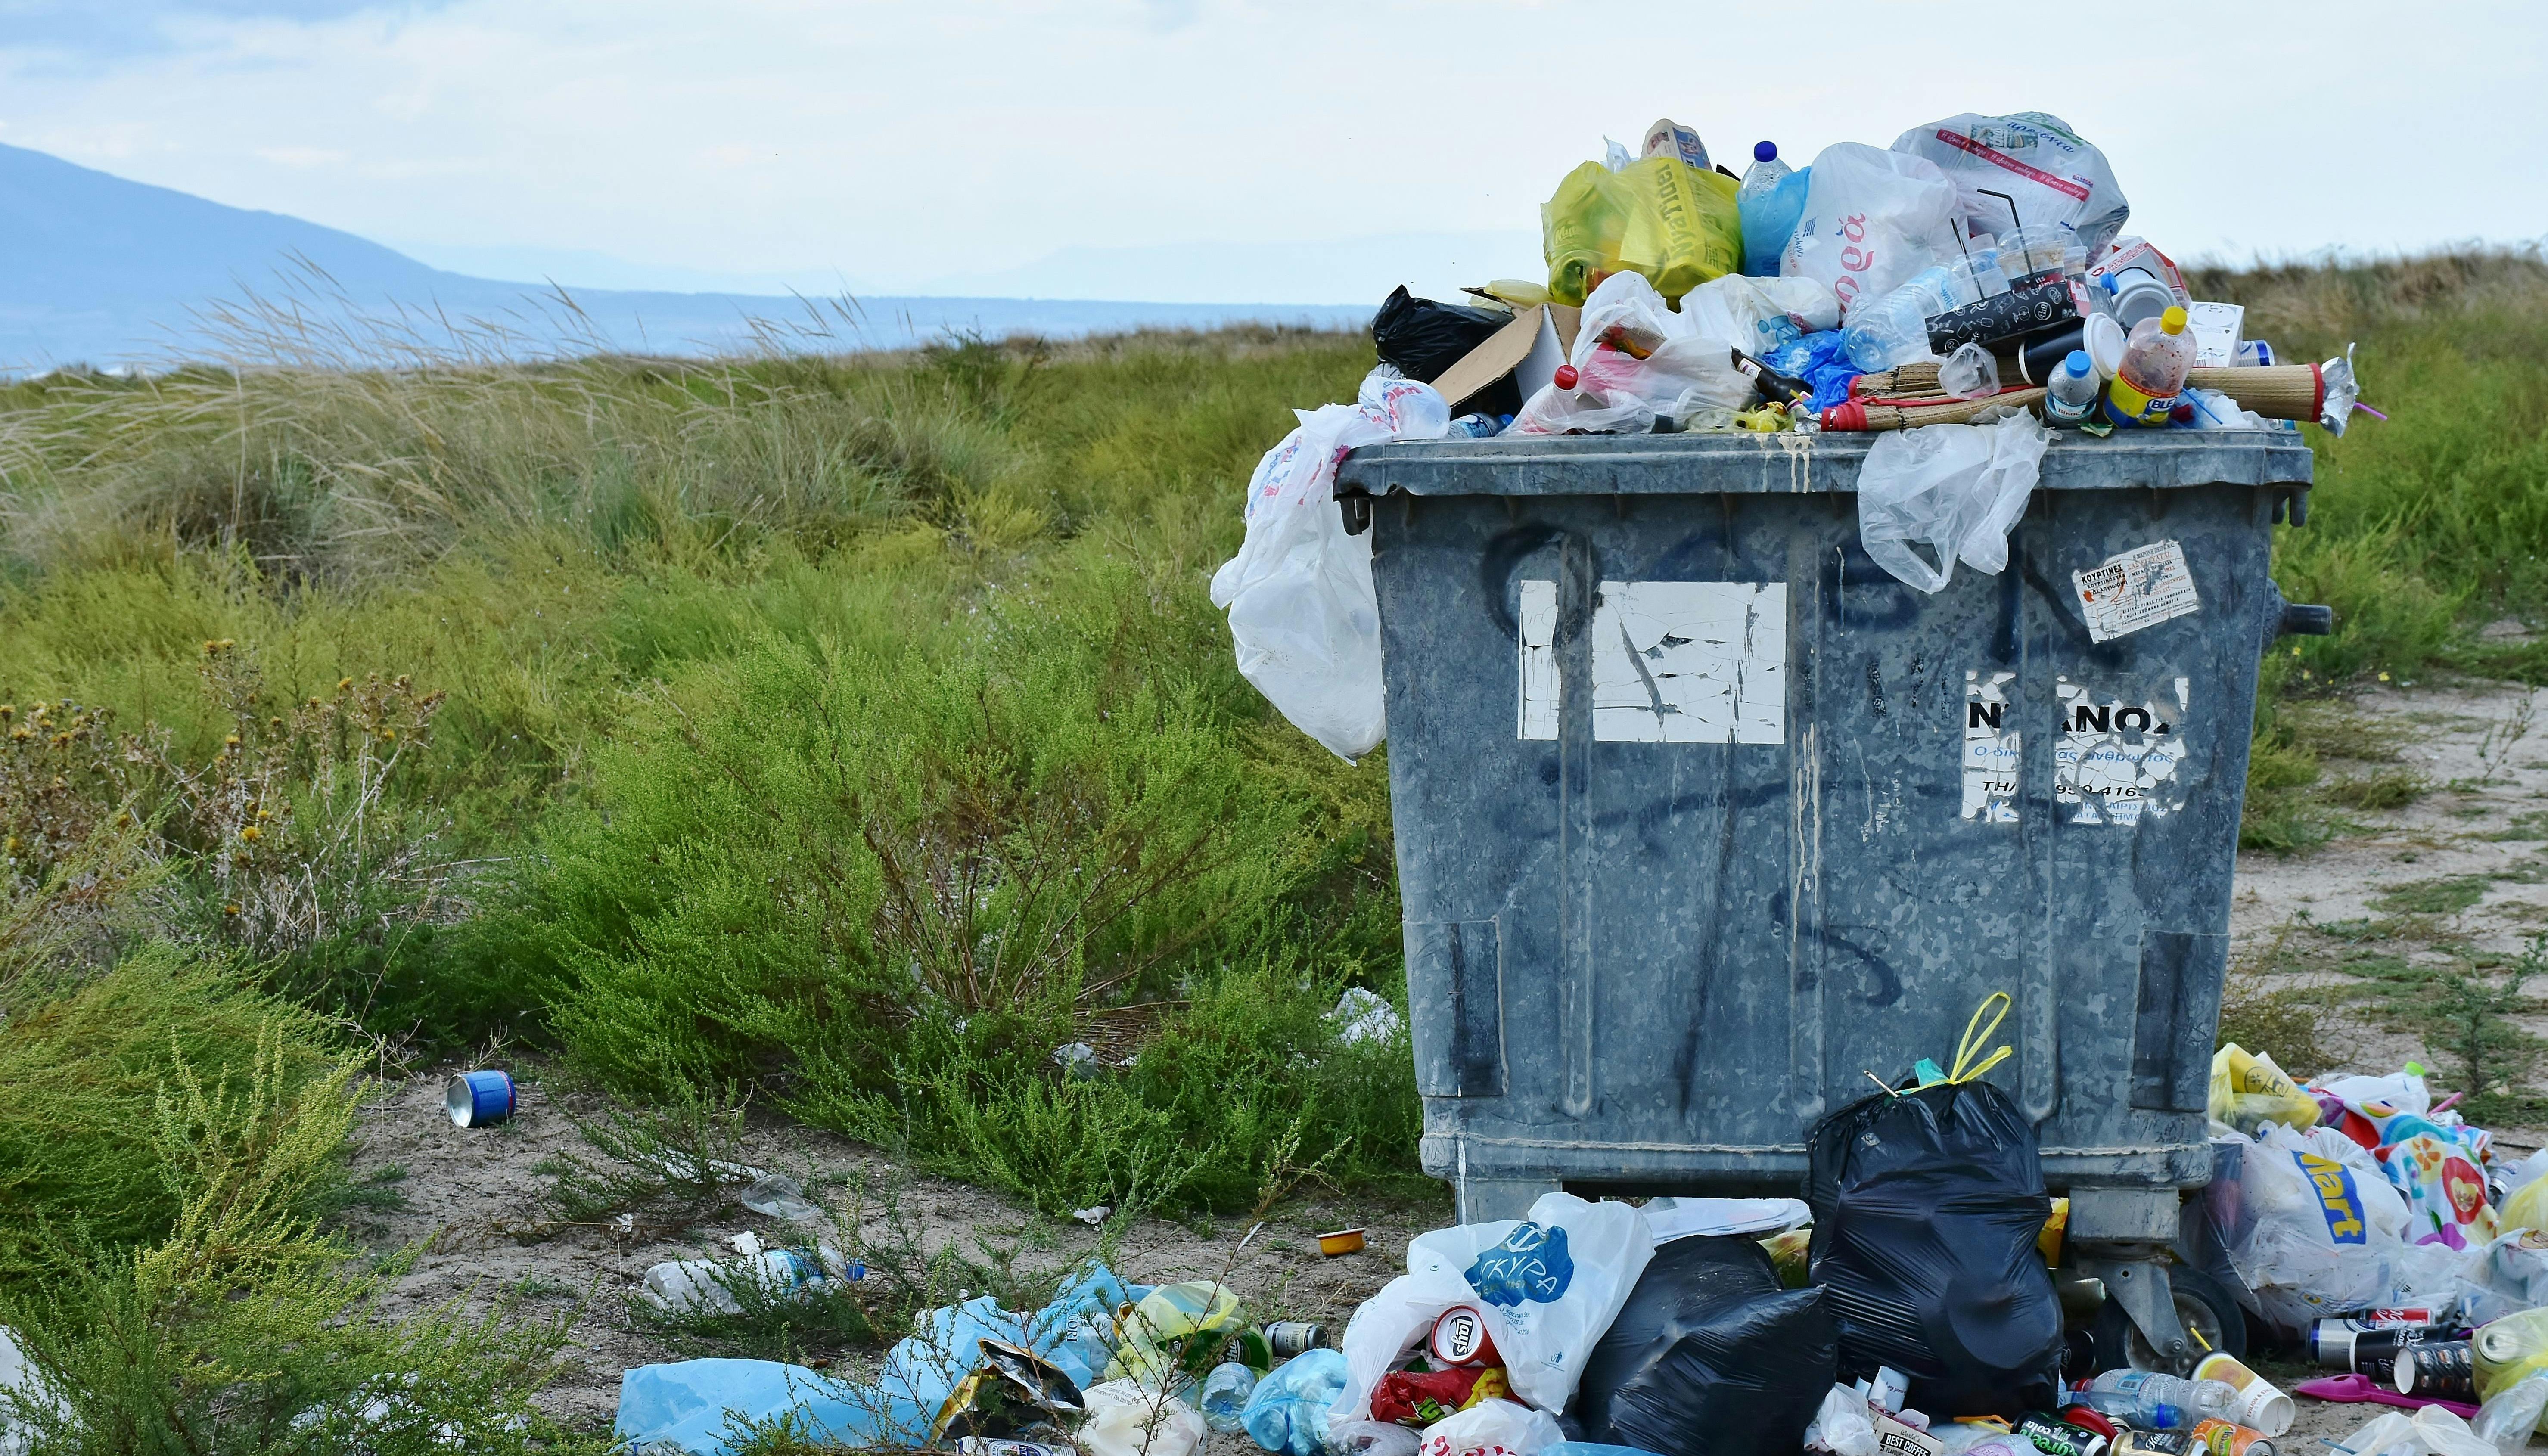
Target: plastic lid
{"points": [[2077, 365], [2172, 320], [1764, 151], [2103, 337]]}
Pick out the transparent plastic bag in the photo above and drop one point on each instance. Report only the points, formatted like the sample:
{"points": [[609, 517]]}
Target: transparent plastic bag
{"points": [[2249, 1089], [2512, 1414], [1955, 488], [1969, 373], [1126, 1419], [1634, 359], [2043, 171], [1302, 612], [1872, 218], [1288, 1412]]}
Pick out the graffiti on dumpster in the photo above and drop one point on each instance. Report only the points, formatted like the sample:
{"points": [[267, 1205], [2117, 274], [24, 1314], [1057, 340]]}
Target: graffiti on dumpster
{"points": [[1673, 661], [2115, 762]]}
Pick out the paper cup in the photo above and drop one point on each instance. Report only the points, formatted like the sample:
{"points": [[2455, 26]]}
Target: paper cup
{"points": [[2259, 1405]]}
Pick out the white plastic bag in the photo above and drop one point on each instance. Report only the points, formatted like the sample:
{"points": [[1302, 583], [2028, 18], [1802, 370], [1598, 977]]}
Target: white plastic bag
{"points": [[2446, 1433], [1758, 314], [1958, 487], [1618, 393], [1843, 1425], [1124, 1419], [1299, 592], [1491, 1428], [2034, 160], [1550, 1285], [2319, 1237], [1872, 218]]}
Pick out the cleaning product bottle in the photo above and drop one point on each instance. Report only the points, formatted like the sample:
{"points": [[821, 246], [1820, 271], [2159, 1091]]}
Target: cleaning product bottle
{"points": [[2072, 392], [2153, 372]]}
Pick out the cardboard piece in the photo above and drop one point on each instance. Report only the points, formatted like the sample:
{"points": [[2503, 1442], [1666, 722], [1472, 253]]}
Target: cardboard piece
{"points": [[1529, 348]]}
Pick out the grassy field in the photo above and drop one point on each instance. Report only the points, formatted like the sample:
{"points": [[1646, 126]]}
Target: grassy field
{"points": [[833, 737]]}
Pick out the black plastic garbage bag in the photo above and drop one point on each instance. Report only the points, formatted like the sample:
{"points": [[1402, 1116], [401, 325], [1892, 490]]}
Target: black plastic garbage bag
{"points": [[1421, 339], [1709, 1357], [1927, 1206]]}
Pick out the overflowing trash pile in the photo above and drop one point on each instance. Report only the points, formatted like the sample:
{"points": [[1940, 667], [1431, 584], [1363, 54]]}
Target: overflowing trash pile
{"points": [[1959, 298], [1911, 1304]]}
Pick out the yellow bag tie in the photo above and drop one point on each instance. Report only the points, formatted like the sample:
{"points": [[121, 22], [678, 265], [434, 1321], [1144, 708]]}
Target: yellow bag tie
{"points": [[1965, 1068]]}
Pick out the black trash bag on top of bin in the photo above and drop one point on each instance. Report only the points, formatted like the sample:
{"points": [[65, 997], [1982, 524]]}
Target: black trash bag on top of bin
{"points": [[1710, 1356], [1927, 1207], [1421, 339]]}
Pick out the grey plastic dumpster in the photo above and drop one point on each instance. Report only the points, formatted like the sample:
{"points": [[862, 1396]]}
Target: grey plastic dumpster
{"points": [[1703, 818]]}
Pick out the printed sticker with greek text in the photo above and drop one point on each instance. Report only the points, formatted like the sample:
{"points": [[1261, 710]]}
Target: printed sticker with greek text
{"points": [[2142, 587]]}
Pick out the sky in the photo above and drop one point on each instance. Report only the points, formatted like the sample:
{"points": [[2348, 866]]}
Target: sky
{"points": [[1291, 150]]}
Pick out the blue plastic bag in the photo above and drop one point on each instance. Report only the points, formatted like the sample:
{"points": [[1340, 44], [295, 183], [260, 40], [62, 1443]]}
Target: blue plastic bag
{"points": [[1288, 1412], [692, 1403]]}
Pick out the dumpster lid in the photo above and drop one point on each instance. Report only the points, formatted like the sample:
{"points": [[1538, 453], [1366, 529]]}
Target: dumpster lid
{"points": [[1748, 463]]}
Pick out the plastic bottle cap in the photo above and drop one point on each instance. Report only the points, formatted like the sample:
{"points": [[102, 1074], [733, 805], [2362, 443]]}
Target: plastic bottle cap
{"points": [[1764, 151], [1564, 377], [2077, 365], [2173, 320]]}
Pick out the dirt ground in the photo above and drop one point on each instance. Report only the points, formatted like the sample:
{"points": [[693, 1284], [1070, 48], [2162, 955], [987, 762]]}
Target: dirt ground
{"points": [[2464, 859]]}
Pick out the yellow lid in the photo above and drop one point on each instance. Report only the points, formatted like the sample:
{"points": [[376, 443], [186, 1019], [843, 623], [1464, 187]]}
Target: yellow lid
{"points": [[2173, 320]]}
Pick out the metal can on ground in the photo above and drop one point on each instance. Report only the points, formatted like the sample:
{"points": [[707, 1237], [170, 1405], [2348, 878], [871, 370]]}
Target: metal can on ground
{"points": [[2229, 1438], [1285, 1338], [2053, 1436], [475, 1099], [2156, 1443]]}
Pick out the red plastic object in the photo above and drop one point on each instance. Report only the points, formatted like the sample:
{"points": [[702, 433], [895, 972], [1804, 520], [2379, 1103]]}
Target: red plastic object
{"points": [[1564, 377], [1847, 415], [2082, 1415]]}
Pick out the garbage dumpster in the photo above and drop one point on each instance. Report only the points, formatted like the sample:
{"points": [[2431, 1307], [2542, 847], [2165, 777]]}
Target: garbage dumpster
{"points": [[1703, 818]]}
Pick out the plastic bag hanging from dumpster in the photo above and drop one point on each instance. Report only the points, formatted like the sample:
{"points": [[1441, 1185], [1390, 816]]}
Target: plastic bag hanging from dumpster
{"points": [[1662, 217], [1710, 1356], [2043, 171], [1548, 1285], [1956, 487], [1927, 1206], [1299, 592]]}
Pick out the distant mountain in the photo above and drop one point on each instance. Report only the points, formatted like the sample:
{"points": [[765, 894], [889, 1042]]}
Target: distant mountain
{"points": [[96, 269]]}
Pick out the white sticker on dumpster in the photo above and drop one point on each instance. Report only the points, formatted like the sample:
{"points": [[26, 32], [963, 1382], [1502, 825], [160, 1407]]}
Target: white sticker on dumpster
{"points": [[2116, 760], [1673, 661], [2142, 587], [1991, 740]]}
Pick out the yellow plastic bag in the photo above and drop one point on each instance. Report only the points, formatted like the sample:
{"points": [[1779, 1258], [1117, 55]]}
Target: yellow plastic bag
{"points": [[1176, 1327], [2249, 1089], [1660, 216], [2527, 1208]]}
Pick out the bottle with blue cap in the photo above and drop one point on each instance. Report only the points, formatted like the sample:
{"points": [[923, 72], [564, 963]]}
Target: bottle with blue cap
{"points": [[1768, 211], [2072, 392]]}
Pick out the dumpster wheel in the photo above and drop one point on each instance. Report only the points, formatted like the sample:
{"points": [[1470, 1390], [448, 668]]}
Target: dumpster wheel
{"points": [[2210, 1313]]}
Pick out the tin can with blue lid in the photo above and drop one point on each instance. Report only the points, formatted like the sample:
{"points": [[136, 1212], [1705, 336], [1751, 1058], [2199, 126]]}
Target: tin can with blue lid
{"points": [[476, 1098]]}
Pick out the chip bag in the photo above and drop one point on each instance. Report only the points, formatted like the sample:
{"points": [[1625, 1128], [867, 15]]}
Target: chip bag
{"points": [[2248, 1089], [1660, 216]]}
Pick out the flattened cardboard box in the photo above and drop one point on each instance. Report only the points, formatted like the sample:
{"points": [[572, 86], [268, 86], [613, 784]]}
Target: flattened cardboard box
{"points": [[1529, 348]]}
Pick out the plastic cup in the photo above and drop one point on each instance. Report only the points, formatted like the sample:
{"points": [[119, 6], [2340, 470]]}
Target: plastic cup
{"points": [[2260, 1405]]}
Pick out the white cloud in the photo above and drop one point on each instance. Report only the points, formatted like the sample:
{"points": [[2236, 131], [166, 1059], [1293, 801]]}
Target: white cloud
{"points": [[897, 142]]}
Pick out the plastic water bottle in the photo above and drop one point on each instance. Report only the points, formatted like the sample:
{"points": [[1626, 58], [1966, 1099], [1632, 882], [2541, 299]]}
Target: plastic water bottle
{"points": [[1894, 329], [2072, 392], [708, 1286], [2161, 1401], [1764, 174], [1224, 1394], [2152, 374]]}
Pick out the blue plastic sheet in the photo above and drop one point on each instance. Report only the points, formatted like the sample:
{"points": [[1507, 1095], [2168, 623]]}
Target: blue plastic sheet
{"points": [[1287, 1413], [693, 1405]]}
